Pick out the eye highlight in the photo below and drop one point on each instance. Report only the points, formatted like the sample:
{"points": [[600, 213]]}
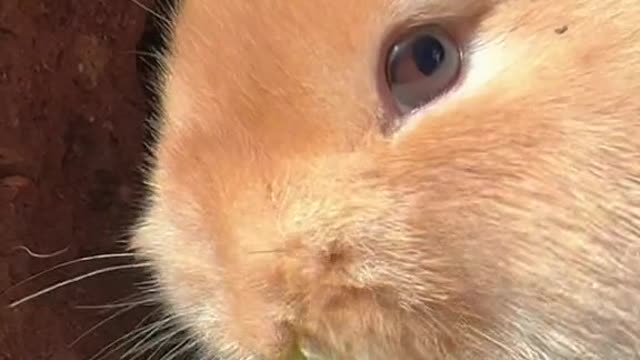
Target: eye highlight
{"points": [[421, 66]]}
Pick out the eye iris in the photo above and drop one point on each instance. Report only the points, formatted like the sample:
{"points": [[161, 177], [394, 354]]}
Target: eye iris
{"points": [[420, 67], [428, 54]]}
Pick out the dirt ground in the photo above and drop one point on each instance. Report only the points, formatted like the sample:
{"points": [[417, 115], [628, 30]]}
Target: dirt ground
{"points": [[72, 108]]}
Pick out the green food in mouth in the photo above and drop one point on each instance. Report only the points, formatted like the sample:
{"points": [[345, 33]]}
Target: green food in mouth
{"points": [[297, 354]]}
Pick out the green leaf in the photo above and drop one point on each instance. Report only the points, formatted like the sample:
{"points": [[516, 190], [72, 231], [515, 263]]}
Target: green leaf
{"points": [[297, 354]]}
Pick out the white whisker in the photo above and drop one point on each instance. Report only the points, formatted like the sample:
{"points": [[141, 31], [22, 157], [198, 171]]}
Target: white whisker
{"points": [[178, 349], [149, 335], [147, 317], [74, 280], [132, 335], [115, 306], [145, 54], [152, 12], [68, 263], [159, 344], [133, 297], [137, 300], [99, 324], [36, 255], [274, 251]]}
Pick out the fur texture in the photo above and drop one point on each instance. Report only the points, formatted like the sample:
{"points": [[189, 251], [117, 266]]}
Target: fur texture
{"points": [[502, 222]]}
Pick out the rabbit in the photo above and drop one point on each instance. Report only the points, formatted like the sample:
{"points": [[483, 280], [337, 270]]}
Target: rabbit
{"points": [[399, 179]]}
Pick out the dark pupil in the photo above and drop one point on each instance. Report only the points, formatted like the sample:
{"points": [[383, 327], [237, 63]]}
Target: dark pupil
{"points": [[428, 54]]}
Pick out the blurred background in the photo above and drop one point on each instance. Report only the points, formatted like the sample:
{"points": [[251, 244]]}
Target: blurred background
{"points": [[72, 110]]}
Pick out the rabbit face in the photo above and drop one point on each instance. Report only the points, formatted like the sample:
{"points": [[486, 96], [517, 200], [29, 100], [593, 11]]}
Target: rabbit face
{"points": [[398, 179]]}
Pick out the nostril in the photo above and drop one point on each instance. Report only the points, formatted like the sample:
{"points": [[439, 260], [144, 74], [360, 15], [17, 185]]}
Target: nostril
{"points": [[335, 257]]}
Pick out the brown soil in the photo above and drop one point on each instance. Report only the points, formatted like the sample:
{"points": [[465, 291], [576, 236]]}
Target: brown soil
{"points": [[71, 129]]}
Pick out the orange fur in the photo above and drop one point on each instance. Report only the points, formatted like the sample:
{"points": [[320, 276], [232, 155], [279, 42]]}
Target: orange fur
{"points": [[501, 223]]}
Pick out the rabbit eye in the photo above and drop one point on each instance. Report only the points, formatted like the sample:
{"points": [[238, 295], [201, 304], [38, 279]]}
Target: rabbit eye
{"points": [[421, 66]]}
